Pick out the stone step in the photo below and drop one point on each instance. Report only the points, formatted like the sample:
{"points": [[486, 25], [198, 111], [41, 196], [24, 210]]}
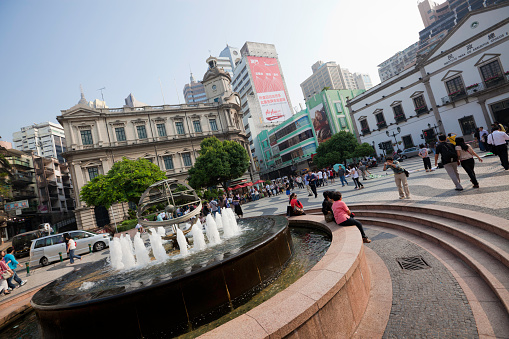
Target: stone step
{"points": [[486, 222], [491, 243], [493, 272]]}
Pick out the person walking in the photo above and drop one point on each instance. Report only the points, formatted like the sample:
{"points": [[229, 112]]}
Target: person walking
{"points": [[344, 217], [498, 140], [320, 178], [312, 178], [4, 270], [466, 157], [363, 169], [399, 177], [483, 134], [423, 153], [354, 172], [214, 208], [12, 263], [341, 175], [236, 206], [449, 160], [71, 247]]}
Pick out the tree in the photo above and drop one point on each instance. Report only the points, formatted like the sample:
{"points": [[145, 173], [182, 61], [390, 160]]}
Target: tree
{"points": [[125, 182], [363, 150], [338, 148], [218, 163], [5, 174]]}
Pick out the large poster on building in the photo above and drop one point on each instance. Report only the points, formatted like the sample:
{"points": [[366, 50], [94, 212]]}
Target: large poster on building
{"points": [[320, 123], [270, 89]]}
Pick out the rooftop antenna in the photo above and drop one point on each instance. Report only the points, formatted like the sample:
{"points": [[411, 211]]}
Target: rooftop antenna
{"points": [[102, 95], [161, 85]]}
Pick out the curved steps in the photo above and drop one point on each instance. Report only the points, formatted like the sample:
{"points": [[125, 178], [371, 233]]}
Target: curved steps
{"points": [[481, 241]]}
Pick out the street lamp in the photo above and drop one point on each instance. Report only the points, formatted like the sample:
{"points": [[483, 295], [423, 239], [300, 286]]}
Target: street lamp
{"points": [[394, 135], [435, 127]]}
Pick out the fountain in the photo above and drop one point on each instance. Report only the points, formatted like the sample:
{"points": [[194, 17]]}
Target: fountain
{"points": [[167, 295]]}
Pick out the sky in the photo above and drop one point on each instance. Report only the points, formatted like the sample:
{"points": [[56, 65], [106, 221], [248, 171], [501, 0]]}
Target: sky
{"points": [[49, 48]]}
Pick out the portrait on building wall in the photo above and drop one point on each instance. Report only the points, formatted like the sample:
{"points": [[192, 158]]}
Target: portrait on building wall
{"points": [[320, 123]]}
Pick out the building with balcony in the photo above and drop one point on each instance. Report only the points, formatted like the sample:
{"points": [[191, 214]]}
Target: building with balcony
{"points": [[54, 185], [167, 135], [46, 139], [462, 84]]}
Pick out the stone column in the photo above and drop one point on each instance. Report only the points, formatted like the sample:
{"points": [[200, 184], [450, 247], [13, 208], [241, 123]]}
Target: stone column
{"points": [[427, 86], [485, 112]]}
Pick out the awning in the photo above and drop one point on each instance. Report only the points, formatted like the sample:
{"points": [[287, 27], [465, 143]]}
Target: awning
{"points": [[259, 181], [249, 184]]}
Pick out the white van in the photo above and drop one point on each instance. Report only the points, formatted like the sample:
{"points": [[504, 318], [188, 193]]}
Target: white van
{"points": [[47, 249]]}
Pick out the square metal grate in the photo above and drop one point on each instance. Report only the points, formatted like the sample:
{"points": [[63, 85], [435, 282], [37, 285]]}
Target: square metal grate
{"points": [[413, 263]]}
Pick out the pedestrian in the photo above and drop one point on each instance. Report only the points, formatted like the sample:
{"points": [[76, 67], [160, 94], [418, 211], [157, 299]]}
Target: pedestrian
{"points": [[363, 169], [296, 206], [327, 206], [312, 179], [331, 176], [341, 175], [308, 188], [354, 172], [236, 207], [423, 153], [320, 179], [344, 217], [298, 180], [287, 189], [12, 263], [451, 138], [449, 160], [498, 139], [213, 207], [466, 157], [483, 134], [71, 247], [47, 228], [5, 273], [325, 178], [399, 177]]}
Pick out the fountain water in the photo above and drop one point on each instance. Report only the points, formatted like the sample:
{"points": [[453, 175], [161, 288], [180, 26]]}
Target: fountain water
{"points": [[211, 229], [140, 251], [227, 225], [157, 245], [219, 221], [181, 239], [161, 231], [116, 254], [198, 237], [127, 251]]}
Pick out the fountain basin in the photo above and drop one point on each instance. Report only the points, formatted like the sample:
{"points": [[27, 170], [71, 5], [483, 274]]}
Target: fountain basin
{"points": [[169, 303]]}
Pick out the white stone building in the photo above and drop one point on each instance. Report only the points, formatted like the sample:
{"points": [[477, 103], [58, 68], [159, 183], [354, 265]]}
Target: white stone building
{"points": [[46, 139], [168, 136], [460, 85]]}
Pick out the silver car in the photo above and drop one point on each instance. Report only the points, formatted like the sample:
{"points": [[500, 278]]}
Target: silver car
{"points": [[47, 249], [412, 152]]}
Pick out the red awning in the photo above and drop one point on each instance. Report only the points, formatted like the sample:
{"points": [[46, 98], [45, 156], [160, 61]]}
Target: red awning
{"points": [[237, 187], [259, 181], [249, 184]]}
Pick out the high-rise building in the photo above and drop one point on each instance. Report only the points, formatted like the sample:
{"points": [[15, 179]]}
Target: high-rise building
{"points": [[326, 74], [259, 81], [363, 81], [194, 91], [348, 79], [398, 62], [228, 58], [46, 139]]}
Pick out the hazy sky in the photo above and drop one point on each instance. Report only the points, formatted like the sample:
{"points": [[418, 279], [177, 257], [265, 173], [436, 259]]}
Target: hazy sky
{"points": [[48, 48]]}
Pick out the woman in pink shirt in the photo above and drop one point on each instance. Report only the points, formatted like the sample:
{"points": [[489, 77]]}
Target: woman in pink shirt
{"points": [[344, 217]]}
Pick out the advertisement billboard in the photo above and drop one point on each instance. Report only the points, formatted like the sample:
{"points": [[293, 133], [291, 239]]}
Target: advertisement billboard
{"points": [[270, 89], [320, 123], [16, 205]]}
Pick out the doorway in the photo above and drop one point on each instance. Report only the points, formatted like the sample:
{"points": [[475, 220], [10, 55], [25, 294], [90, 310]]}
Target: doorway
{"points": [[102, 217], [407, 141], [501, 112]]}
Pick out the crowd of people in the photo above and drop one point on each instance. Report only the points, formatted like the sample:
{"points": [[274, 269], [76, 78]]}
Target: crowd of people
{"points": [[8, 266]]}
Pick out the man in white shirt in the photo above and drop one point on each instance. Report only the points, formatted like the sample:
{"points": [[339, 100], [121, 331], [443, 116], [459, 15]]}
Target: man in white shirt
{"points": [[498, 140], [320, 178]]}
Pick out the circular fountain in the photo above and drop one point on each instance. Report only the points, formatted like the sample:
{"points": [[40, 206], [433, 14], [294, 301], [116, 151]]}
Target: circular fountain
{"points": [[163, 296]]}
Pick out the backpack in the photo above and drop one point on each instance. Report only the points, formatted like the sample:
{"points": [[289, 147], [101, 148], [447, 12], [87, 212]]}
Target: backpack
{"points": [[448, 153]]}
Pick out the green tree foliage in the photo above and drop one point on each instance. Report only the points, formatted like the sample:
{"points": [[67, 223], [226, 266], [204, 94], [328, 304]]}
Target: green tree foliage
{"points": [[218, 163], [363, 150], [5, 174], [125, 181], [338, 148]]}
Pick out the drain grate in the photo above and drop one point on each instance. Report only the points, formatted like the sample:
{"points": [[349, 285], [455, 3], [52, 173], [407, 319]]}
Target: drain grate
{"points": [[413, 263]]}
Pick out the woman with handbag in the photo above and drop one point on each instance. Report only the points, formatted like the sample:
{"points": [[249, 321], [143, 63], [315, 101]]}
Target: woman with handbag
{"points": [[296, 205], [5, 273], [466, 158], [344, 217]]}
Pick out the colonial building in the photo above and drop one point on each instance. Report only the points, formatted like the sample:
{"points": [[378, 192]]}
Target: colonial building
{"points": [[168, 136], [462, 84]]}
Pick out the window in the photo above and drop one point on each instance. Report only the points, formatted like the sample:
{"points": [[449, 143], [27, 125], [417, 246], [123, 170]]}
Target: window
{"points": [[407, 141], [491, 73], [86, 137], [467, 125], [364, 126], [179, 125], [213, 124], [161, 130], [120, 133], [168, 162], [455, 87], [420, 104], [93, 172], [342, 122], [186, 157], [399, 115], [380, 120], [142, 132], [197, 126]]}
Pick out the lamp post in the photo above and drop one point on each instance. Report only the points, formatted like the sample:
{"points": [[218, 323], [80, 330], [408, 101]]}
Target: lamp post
{"points": [[394, 135], [435, 127]]}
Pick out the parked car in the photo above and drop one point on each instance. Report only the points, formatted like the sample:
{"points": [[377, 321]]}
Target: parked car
{"points": [[412, 152], [47, 249], [22, 242]]}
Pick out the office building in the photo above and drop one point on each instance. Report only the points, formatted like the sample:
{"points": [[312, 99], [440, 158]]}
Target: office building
{"points": [[194, 92], [398, 62], [462, 84], [228, 58], [167, 135], [46, 139], [363, 81]]}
